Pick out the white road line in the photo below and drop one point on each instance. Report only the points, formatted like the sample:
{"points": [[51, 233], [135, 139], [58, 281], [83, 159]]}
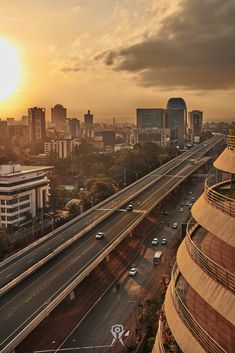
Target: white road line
{"points": [[7, 317], [10, 274], [30, 261], [28, 299]]}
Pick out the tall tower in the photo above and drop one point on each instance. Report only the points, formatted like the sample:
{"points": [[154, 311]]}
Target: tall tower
{"points": [[37, 123], [88, 119], [58, 117], [176, 120], [199, 308], [195, 119]]}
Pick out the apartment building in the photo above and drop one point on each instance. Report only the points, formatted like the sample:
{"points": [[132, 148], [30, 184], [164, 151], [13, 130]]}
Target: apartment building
{"points": [[24, 191]]}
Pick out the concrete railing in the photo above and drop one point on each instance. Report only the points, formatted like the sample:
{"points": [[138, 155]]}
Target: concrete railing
{"points": [[214, 270], [216, 199], [202, 336], [159, 338], [231, 141]]}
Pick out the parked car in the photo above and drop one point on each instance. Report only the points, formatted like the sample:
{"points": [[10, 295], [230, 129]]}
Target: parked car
{"points": [[133, 271], [99, 235], [155, 241], [190, 193], [190, 206], [164, 241], [181, 209]]}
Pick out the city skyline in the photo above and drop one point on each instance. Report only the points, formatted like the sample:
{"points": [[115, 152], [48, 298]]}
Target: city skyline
{"points": [[120, 56]]}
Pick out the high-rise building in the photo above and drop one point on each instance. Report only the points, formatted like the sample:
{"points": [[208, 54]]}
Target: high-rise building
{"points": [[88, 119], [58, 117], [108, 138], [195, 121], [199, 311], [37, 123], [3, 129], [73, 127], [148, 118], [176, 115]]}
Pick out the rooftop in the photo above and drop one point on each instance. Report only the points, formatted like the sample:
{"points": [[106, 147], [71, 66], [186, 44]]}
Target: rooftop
{"points": [[10, 170]]}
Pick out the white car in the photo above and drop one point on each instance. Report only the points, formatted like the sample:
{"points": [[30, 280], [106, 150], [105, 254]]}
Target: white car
{"points": [[99, 235], [155, 241], [175, 225], [129, 207], [181, 209], [164, 241], [133, 271]]}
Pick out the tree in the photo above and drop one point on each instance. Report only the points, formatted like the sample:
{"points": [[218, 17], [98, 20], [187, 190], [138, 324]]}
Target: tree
{"points": [[4, 246]]}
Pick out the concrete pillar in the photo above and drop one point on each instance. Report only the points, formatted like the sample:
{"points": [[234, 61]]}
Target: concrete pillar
{"points": [[72, 295]]}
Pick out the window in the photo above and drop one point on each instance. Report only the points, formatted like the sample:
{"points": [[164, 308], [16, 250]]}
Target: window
{"points": [[3, 210]]}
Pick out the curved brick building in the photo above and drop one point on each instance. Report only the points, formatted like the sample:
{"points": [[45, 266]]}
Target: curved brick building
{"points": [[199, 308]]}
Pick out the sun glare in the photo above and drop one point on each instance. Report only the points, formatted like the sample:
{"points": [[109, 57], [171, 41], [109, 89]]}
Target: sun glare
{"points": [[9, 69]]}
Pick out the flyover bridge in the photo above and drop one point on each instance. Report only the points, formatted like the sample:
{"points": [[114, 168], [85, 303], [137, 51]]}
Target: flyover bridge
{"points": [[54, 266]]}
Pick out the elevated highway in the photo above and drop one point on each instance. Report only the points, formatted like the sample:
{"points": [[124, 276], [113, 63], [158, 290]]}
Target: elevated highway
{"points": [[29, 301]]}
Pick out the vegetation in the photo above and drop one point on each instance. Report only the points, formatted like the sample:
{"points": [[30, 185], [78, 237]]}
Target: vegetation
{"points": [[4, 246]]}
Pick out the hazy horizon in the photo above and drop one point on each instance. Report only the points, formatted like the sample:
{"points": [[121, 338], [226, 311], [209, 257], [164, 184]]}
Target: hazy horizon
{"points": [[114, 56]]}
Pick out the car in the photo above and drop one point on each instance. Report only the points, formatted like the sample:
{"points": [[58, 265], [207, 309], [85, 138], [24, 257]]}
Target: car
{"points": [[190, 206], [182, 204], [187, 203], [99, 235], [155, 241], [129, 207], [190, 193], [193, 198], [175, 225], [181, 209], [164, 241], [133, 271]]}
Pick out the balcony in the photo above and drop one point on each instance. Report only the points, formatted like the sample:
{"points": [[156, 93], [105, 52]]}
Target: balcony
{"points": [[218, 273], [178, 293], [220, 195], [231, 141], [165, 339]]}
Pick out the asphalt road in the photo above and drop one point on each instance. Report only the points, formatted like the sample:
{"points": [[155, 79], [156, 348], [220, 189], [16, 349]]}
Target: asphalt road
{"points": [[18, 264], [24, 302], [116, 307]]}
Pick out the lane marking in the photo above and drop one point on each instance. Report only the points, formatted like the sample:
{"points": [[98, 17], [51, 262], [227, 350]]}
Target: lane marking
{"points": [[10, 274]]}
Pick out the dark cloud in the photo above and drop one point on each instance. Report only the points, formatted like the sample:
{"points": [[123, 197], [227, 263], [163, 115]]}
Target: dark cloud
{"points": [[70, 69], [195, 49]]}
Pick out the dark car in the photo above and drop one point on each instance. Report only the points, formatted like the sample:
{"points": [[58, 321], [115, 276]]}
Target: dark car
{"points": [[129, 208]]}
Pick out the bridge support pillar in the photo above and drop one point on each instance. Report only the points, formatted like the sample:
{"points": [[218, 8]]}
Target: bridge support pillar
{"points": [[107, 258], [72, 295]]}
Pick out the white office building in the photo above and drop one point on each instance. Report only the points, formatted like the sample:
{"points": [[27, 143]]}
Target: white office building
{"points": [[24, 191]]}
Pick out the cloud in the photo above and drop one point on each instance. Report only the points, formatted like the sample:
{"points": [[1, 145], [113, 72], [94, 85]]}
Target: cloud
{"points": [[76, 8], [193, 49]]}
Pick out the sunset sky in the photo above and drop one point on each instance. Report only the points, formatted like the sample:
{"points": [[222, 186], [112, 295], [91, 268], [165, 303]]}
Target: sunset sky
{"points": [[114, 56]]}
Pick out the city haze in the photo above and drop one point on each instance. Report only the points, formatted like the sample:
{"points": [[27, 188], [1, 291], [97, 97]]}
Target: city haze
{"points": [[115, 56]]}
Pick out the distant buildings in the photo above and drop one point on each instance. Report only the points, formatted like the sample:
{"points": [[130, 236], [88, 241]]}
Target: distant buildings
{"points": [[176, 120], [148, 118], [73, 127], [195, 121], [58, 117], [88, 119], [159, 136], [173, 118], [24, 192], [37, 123]]}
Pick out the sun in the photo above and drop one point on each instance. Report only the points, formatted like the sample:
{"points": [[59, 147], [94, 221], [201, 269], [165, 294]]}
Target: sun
{"points": [[9, 69]]}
